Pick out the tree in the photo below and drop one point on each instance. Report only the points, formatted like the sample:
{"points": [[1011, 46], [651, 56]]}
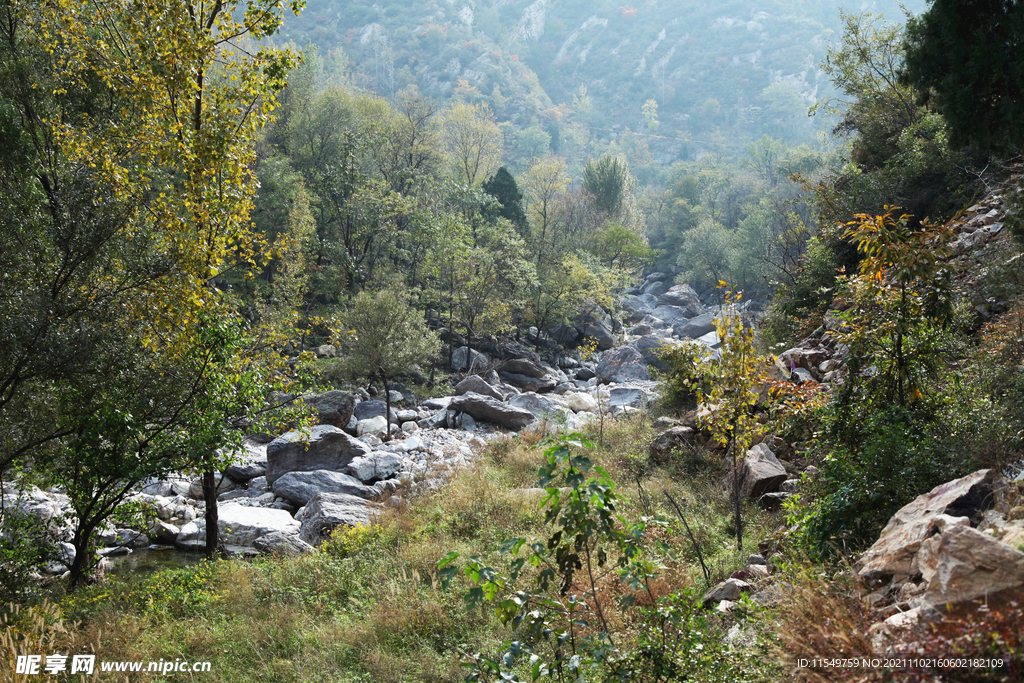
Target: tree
{"points": [[502, 186], [967, 58], [384, 335], [543, 183], [608, 180], [473, 142], [707, 251]]}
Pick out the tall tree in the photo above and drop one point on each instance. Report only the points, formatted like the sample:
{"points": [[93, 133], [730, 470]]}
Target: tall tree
{"points": [[502, 186], [967, 57], [473, 142]]}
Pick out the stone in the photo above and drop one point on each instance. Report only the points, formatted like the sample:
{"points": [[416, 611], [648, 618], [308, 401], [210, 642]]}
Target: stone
{"points": [[585, 374], [479, 360], [670, 440], [962, 564], [656, 288], [802, 376], [375, 408], [332, 407], [300, 487], [324, 447], [542, 408], [760, 473], [696, 327], [580, 402], [326, 351], [896, 548], [409, 427], [684, 297], [807, 359], [242, 473], [487, 409], [773, 501], [378, 465], [435, 404], [327, 511], [281, 544], [477, 385], [629, 396], [132, 539], [590, 326], [514, 349], [730, 589], [223, 483], [164, 532], [649, 346], [238, 525], [672, 315], [522, 366], [528, 383], [374, 425], [566, 335], [622, 365]]}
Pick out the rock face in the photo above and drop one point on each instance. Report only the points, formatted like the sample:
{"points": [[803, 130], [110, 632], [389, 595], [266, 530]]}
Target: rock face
{"points": [[323, 447], [238, 525], [622, 365], [333, 407], [327, 511], [488, 409], [896, 548], [301, 487], [962, 564], [760, 473]]}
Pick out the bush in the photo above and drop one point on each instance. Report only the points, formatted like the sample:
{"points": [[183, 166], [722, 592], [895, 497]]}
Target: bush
{"points": [[687, 374]]}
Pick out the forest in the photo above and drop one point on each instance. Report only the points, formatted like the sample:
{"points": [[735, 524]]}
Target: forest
{"points": [[423, 341]]}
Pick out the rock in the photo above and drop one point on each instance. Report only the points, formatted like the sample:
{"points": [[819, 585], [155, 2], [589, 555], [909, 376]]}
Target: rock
{"points": [[760, 473], [164, 532], [622, 365], [488, 409], [756, 559], [962, 564], [808, 359], [802, 376], [240, 474], [655, 289], [378, 465], [566, 335], [669, 315], [332, 407], [591, 327], [477, 385], [324, 447], [132, 539], [648, 347], [327, 511], [410, 427], [773, 501], [697, 327], [670, 440], [224, 484], [585, 374], [238, 525], [580, 402], [527, 383], [514, 349], [682, 296], [375, 408], [629, 396], [282, 545], [374, 425], [730, 589], [435, 404], [301, 487], [542, 408], [326, 351], [896, 548], [521, 366], [459, 359]]}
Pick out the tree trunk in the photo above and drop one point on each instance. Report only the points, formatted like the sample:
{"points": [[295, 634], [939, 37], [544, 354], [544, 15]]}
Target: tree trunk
{"points": [[81, 543], [737, 507], [211, 516], [387, 404]]}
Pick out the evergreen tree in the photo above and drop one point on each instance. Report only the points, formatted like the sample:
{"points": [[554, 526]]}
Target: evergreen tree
{"points": [[502, 186]]}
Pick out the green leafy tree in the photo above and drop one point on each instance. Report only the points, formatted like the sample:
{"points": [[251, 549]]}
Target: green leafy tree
{"points": [[384, 335], [502, 186], [608, 181]]}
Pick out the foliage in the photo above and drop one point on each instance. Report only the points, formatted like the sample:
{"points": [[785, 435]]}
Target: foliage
{"points": [[966, 58], [608, 181], [472, 141], [502, 186], [687, 376]]}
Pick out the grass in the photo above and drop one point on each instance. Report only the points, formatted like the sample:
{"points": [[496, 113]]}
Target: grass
{"points": [[368, 605]]}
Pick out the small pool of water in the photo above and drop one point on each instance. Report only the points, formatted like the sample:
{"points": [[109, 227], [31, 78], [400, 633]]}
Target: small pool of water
{"points": [[153, 559]]}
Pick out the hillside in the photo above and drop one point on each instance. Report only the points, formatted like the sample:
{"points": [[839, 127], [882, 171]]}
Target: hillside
{"points": [[721, 74]]}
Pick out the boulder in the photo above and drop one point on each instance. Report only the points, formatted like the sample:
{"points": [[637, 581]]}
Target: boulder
{"points": [[672, 315], [514, 349], [375, 408], [301, 487], [224, 484], [670, 440], [962, 564], [373, 425], [808, 359], [896, 548], [622, 365], [488, 409], [379, 465], [697, 327], [636, 308], [527, 383], [479, 360], [324, 447], [655, 288], [164, 532], [332, 407], [477, 385], [238, 525], [243, 473], [648, 347], [327, 511], [542, 408], [684, 297], [760, 473], [435, 404], [592, 326], [522, 366], [730, 589], [566, 335], [580, 402], [629, 396], [282, 545]]}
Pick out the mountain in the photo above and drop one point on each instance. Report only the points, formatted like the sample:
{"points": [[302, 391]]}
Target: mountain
{"points": [[719, 74]]}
